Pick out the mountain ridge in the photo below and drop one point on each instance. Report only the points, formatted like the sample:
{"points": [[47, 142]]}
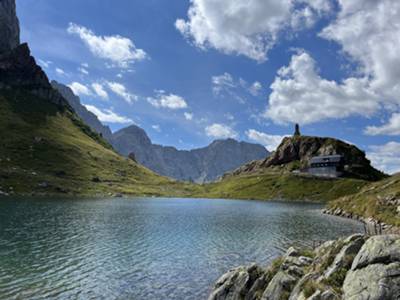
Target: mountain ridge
{"points": [[199, 165]]}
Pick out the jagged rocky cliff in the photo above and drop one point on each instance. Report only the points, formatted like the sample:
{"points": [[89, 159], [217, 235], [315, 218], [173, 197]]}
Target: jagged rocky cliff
{"points": [[354, 268], [88, 117], [199, 165], [9, 26], [297, 151]]}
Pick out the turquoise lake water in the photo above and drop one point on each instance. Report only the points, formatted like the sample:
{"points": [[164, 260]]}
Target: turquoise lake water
{"points": [[145, 248]]}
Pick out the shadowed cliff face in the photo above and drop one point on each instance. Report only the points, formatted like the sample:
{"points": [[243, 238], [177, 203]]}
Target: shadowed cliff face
{"points": [[9, 26]]}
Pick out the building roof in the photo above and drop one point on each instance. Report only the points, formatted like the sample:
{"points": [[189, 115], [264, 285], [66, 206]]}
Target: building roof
{"points": [[325, 159]]}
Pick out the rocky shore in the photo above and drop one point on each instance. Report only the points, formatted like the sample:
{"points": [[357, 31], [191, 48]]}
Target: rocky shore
{"points": [[356, 268], [371, 225]]}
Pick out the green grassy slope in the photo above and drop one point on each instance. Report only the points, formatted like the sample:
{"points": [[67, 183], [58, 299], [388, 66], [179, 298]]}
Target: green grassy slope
{"points": [[45, 149], [378, 200], [272, 185]]}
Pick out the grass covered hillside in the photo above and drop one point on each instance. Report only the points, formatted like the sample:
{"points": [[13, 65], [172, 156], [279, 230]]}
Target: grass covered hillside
{"points": [[273, 185], [46, 149], [379, 200]]}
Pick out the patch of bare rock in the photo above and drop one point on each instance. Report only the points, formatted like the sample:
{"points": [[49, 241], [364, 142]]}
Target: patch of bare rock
{"points": [[353, 268]]}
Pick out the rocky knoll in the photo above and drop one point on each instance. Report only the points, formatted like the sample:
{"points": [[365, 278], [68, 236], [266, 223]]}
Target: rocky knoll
{"points": [[353, 268], [297, 151], [9, 26]]}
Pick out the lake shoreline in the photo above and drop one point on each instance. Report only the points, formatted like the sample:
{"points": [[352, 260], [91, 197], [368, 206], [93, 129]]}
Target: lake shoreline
{"points": [[371, 225]]}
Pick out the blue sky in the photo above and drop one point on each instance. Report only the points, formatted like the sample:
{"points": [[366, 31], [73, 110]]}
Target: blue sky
{"points": [[189, 72]]}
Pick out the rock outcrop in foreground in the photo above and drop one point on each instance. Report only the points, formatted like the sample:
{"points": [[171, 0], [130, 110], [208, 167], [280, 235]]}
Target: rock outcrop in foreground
{"points": [[354, 268]]}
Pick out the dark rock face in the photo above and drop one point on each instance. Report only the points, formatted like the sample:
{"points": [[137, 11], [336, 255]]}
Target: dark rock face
{"points": [[88, 117], [199, 165], [9, 26], [356, 268], [18, 70]]}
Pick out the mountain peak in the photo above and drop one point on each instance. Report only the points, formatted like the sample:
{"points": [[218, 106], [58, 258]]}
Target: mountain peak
{"points": [[9, 26]]}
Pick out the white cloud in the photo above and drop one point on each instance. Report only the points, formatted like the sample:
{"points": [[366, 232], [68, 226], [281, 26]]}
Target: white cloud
{"points": [[83, 70], [301, 95], [80, 89], [60, 71], [188, 116], [122, 91], [121, 51], [386, 157], [255, 88], [108, 116], [222, 83], [249, 28], [171, 101], [390, 128], [220, 131], [271, 142], [45, 63], [156, 128], [229, 116], [368, 31], [99, 90], [226, 85]]}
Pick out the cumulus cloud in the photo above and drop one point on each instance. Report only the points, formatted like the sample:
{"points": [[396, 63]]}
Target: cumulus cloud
{"points": [[390, 128], [99, 90], [271, 142], [121, 51], [171, 101], [368, 32], [220, 131], [108, 116], [249, 28], [80, 89], [301, 95], [120, 90], [156, 128], [188, 116], [385, 157]]}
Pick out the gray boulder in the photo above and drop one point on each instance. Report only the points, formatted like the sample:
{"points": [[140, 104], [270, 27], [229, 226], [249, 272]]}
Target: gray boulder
{"points": [[374, 282], [375, 272], [9, 26], [378, 249], [354, 244], [279, 287], [236, 284]]}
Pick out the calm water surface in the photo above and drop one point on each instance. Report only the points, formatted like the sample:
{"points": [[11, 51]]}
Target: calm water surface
{"points": [[145, 248]]}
